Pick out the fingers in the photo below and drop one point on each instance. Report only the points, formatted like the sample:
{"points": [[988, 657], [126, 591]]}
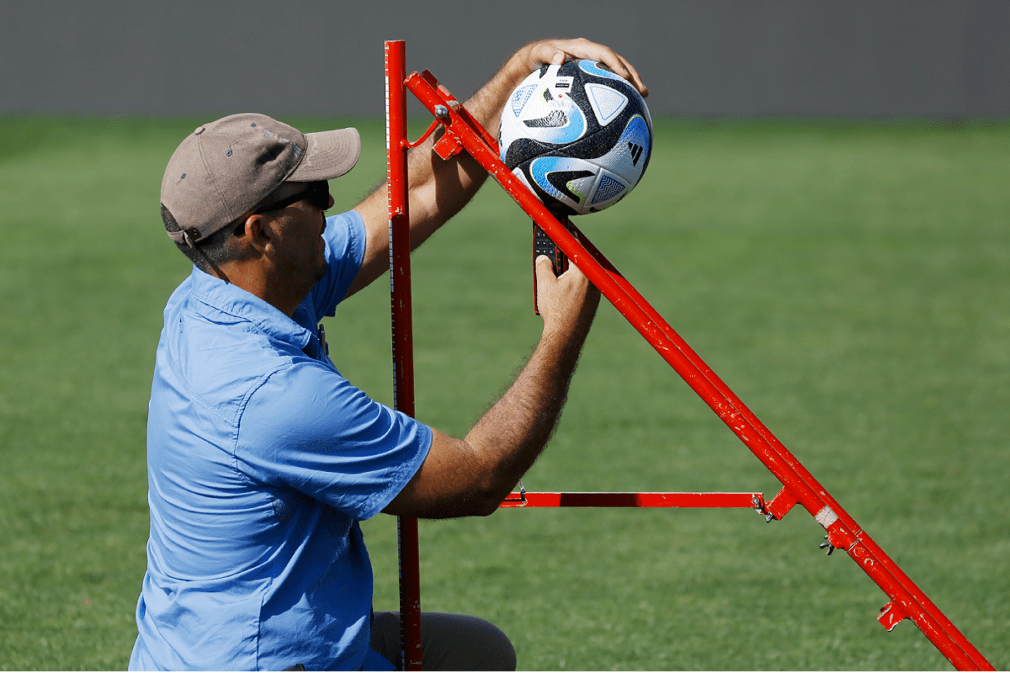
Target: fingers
{"points": [[545, 269], [618, 64], [546, 288], [545, 272], [563, 301], [556, 52], [632, 76]]}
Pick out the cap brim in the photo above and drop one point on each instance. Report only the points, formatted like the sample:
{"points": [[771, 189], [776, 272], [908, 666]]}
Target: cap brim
{"points": [[329, 155]]}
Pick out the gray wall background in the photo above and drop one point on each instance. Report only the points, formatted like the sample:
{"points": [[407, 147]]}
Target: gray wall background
{"points": [[933, 58]]}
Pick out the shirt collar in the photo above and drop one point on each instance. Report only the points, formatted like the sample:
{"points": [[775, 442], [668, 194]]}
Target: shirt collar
{"points": [[215, 296]]}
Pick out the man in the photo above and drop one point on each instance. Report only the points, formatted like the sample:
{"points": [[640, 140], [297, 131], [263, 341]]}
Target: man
{"points": [[261, 457]]}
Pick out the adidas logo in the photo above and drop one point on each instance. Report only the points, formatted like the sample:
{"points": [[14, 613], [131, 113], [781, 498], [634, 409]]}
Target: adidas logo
{"points": [[636, 153]]}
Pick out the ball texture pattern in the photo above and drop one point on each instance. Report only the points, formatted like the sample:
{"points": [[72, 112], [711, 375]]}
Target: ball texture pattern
{"points": [[578, 135]]}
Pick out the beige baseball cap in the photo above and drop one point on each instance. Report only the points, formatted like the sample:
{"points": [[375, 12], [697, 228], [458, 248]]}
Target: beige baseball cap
{"points": [[225, 168]]}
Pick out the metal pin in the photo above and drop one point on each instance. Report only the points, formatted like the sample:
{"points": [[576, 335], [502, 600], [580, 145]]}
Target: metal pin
{"points": [[442, 112]]}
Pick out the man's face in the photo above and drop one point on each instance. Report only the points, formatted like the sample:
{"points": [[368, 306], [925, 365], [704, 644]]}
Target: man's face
{"points": [[298, 235]]}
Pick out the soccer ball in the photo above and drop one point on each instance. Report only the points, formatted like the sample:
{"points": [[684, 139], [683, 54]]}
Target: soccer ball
{"points": [[578, 135]]}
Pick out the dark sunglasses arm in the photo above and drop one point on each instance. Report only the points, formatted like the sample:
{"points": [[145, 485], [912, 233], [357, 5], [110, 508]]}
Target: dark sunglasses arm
{"points": [[319, 192]]}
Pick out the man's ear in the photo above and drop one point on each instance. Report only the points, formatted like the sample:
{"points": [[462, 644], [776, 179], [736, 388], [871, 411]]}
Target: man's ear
{"points": [[258, 232]]}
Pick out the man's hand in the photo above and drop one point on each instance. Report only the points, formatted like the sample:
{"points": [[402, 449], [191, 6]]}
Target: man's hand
{"points": [[439, 189], [567, 302], [556, 52]]}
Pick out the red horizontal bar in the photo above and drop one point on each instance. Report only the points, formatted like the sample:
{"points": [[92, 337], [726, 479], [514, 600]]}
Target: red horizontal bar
{"points": [[748, 500]]}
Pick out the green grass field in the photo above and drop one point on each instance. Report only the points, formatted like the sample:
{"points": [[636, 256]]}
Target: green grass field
{"points": [[849, 281]]}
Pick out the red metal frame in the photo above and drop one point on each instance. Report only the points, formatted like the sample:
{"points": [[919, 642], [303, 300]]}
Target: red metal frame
{"points": [[463, 133], [402, 329]]}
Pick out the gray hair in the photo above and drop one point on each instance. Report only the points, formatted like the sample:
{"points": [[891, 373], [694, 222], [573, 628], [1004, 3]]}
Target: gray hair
{"points": [[207, 253]]}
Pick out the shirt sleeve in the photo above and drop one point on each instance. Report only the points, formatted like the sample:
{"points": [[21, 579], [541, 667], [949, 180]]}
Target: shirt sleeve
{"points": [[309, 429]]}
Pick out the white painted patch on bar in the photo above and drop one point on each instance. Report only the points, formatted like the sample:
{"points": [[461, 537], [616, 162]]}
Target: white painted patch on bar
{"points": [[826, 516]]}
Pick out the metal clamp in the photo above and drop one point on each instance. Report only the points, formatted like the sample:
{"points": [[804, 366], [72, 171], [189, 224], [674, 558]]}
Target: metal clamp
{"points": [[760, 506]]}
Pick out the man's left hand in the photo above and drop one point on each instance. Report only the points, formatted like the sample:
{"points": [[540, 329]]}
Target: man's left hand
{"points": [[556, 52]]}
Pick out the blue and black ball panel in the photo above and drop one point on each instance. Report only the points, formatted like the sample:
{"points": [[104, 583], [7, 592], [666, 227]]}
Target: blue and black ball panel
{"points": [[578, 134]]}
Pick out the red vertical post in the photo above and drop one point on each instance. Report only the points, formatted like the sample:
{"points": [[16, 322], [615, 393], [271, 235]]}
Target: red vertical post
{"points": [[401, 318]]}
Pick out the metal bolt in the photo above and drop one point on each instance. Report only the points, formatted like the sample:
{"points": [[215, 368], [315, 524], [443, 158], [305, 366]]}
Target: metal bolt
{"points": [[442, 112]]}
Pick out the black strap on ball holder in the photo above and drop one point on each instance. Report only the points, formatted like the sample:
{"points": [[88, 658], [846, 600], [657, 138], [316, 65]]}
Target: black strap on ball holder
{"points": [[543, 245]]}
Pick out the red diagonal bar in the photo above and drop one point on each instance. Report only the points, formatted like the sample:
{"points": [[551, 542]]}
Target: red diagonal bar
{"points": [[843, 532]]}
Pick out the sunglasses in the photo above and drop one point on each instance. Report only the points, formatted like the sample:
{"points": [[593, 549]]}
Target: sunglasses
{"points": [[317, 192]]}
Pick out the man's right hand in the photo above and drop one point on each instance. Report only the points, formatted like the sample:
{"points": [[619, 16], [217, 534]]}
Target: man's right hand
{"points": [[568, 302]]}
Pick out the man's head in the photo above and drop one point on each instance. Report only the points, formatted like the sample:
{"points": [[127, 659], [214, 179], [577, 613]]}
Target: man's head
{"points": [[226, 169]]}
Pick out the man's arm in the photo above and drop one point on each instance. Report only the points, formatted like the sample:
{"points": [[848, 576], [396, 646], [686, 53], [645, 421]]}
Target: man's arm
{"points": [[471, 476], [439, 189]]}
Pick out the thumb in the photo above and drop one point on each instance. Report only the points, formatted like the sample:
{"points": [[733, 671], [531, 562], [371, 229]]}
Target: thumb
{"points": [[545, 269]]}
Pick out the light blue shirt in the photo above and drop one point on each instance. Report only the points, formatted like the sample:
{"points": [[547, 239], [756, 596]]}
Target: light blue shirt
{"points": [[262, 458]]}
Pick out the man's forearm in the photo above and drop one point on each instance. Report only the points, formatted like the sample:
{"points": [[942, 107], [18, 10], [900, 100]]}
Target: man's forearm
{"points": [[516, 429], [519, 425], [441, 188]]}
